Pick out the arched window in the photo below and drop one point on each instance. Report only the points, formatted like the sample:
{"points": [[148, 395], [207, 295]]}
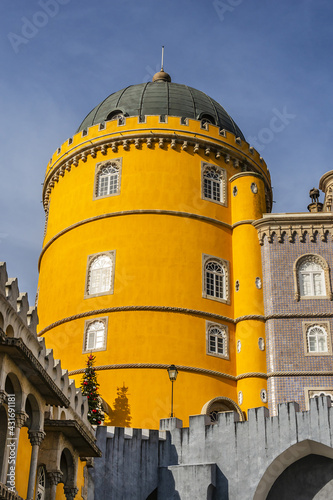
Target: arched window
{"points": [[100, 274], [311, 277], [215, 279], [217, 340], [213, 183], [316, 339], [107, 178], [41, 483], [95, 335]]}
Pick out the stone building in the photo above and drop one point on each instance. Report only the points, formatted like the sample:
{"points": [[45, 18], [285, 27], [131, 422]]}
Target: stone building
{"points": [[45, 437]]}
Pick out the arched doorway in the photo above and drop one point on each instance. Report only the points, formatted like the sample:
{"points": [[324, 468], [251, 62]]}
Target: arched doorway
{"points": [[219, 405]]}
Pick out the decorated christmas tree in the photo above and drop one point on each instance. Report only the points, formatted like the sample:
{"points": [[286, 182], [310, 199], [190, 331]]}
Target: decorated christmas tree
{"points": [[89, 386]]}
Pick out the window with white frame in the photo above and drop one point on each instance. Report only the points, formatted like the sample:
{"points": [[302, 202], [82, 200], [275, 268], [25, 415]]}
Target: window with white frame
{"points": [[311, 275], [41, 483], [95, 335], [217, 339], [311, 279], [213, 183], [215, 281], [316, 339], [107, 178], [100, 274]]}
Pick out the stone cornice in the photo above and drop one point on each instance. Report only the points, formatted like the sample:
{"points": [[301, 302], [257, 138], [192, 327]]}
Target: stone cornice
{"points": [[151, 136], [75, 432], [287, 227], [24, 358]]}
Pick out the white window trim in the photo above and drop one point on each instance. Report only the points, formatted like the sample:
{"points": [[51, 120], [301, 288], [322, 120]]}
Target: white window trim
{"points": [[91, 258], [99, 167], [225, 265], [88, 322], [223, 176], [209, 326], [324, 324], [318, 259], [311, 392]]}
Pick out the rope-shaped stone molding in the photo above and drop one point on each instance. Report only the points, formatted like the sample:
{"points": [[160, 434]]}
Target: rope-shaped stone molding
{"points": [[178, 310], [159, 366], [291, 315], [300, 374], [162, 140]]}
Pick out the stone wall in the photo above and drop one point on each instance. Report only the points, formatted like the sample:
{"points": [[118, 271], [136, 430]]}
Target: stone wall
{"points": [[226, 460]]}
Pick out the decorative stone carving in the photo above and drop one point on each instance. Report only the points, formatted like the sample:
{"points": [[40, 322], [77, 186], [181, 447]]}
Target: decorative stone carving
{"points": [[70, 492], [36, 437], [20, 418], [54, 476]]}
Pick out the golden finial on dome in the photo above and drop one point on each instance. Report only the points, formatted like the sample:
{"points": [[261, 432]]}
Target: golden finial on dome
{"points": [[162, 76]]}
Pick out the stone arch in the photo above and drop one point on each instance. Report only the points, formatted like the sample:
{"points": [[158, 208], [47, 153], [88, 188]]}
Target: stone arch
{"points": [[221, 404], [13, 386], [67, 468], [34, 413], [2, 321], [10, 331], [290, 456]]}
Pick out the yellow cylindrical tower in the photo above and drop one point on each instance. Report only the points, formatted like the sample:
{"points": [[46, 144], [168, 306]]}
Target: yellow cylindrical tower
{"points": [[248, 190], [139, 255]]}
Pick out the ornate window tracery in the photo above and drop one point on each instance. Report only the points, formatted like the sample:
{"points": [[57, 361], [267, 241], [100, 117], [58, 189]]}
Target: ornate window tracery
{"points": [[316, 339], [95, 335], [100, 274], [107, 178], [217, 340], [215, 279], [41, 483], [213, 183], [311, 275]]}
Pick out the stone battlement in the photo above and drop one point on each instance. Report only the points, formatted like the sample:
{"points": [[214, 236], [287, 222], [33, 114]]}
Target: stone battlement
{"points": [[18, 323], [238, 460]]}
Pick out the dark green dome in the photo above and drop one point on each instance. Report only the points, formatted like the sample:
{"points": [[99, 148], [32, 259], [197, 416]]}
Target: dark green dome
{"points": [[161, 98]]}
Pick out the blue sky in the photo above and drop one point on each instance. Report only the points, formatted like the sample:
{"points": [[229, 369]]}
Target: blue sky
{"points": [[60, 58]]}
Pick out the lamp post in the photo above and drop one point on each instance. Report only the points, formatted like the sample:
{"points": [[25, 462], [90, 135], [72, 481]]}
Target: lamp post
{"points": [[173, 372]]}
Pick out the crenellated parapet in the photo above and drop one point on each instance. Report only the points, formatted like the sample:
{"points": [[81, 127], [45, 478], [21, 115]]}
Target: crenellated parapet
{"points": [[149, 132], [18, 323], [230, 457]]}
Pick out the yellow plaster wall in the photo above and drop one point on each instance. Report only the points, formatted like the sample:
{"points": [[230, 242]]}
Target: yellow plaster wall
{"points": [[23, 463], [158, 263]]}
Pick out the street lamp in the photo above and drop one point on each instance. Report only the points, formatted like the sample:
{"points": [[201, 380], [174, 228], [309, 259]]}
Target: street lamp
{"points": [[173, 372]]}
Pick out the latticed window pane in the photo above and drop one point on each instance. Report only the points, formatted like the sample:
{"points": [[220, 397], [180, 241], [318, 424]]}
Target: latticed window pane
{"points": [[100, 275], [217, 340], [41, 484], [95, 335], [215, 280], [212, 184], [311, 279], [317, 339], [108, 179]]}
